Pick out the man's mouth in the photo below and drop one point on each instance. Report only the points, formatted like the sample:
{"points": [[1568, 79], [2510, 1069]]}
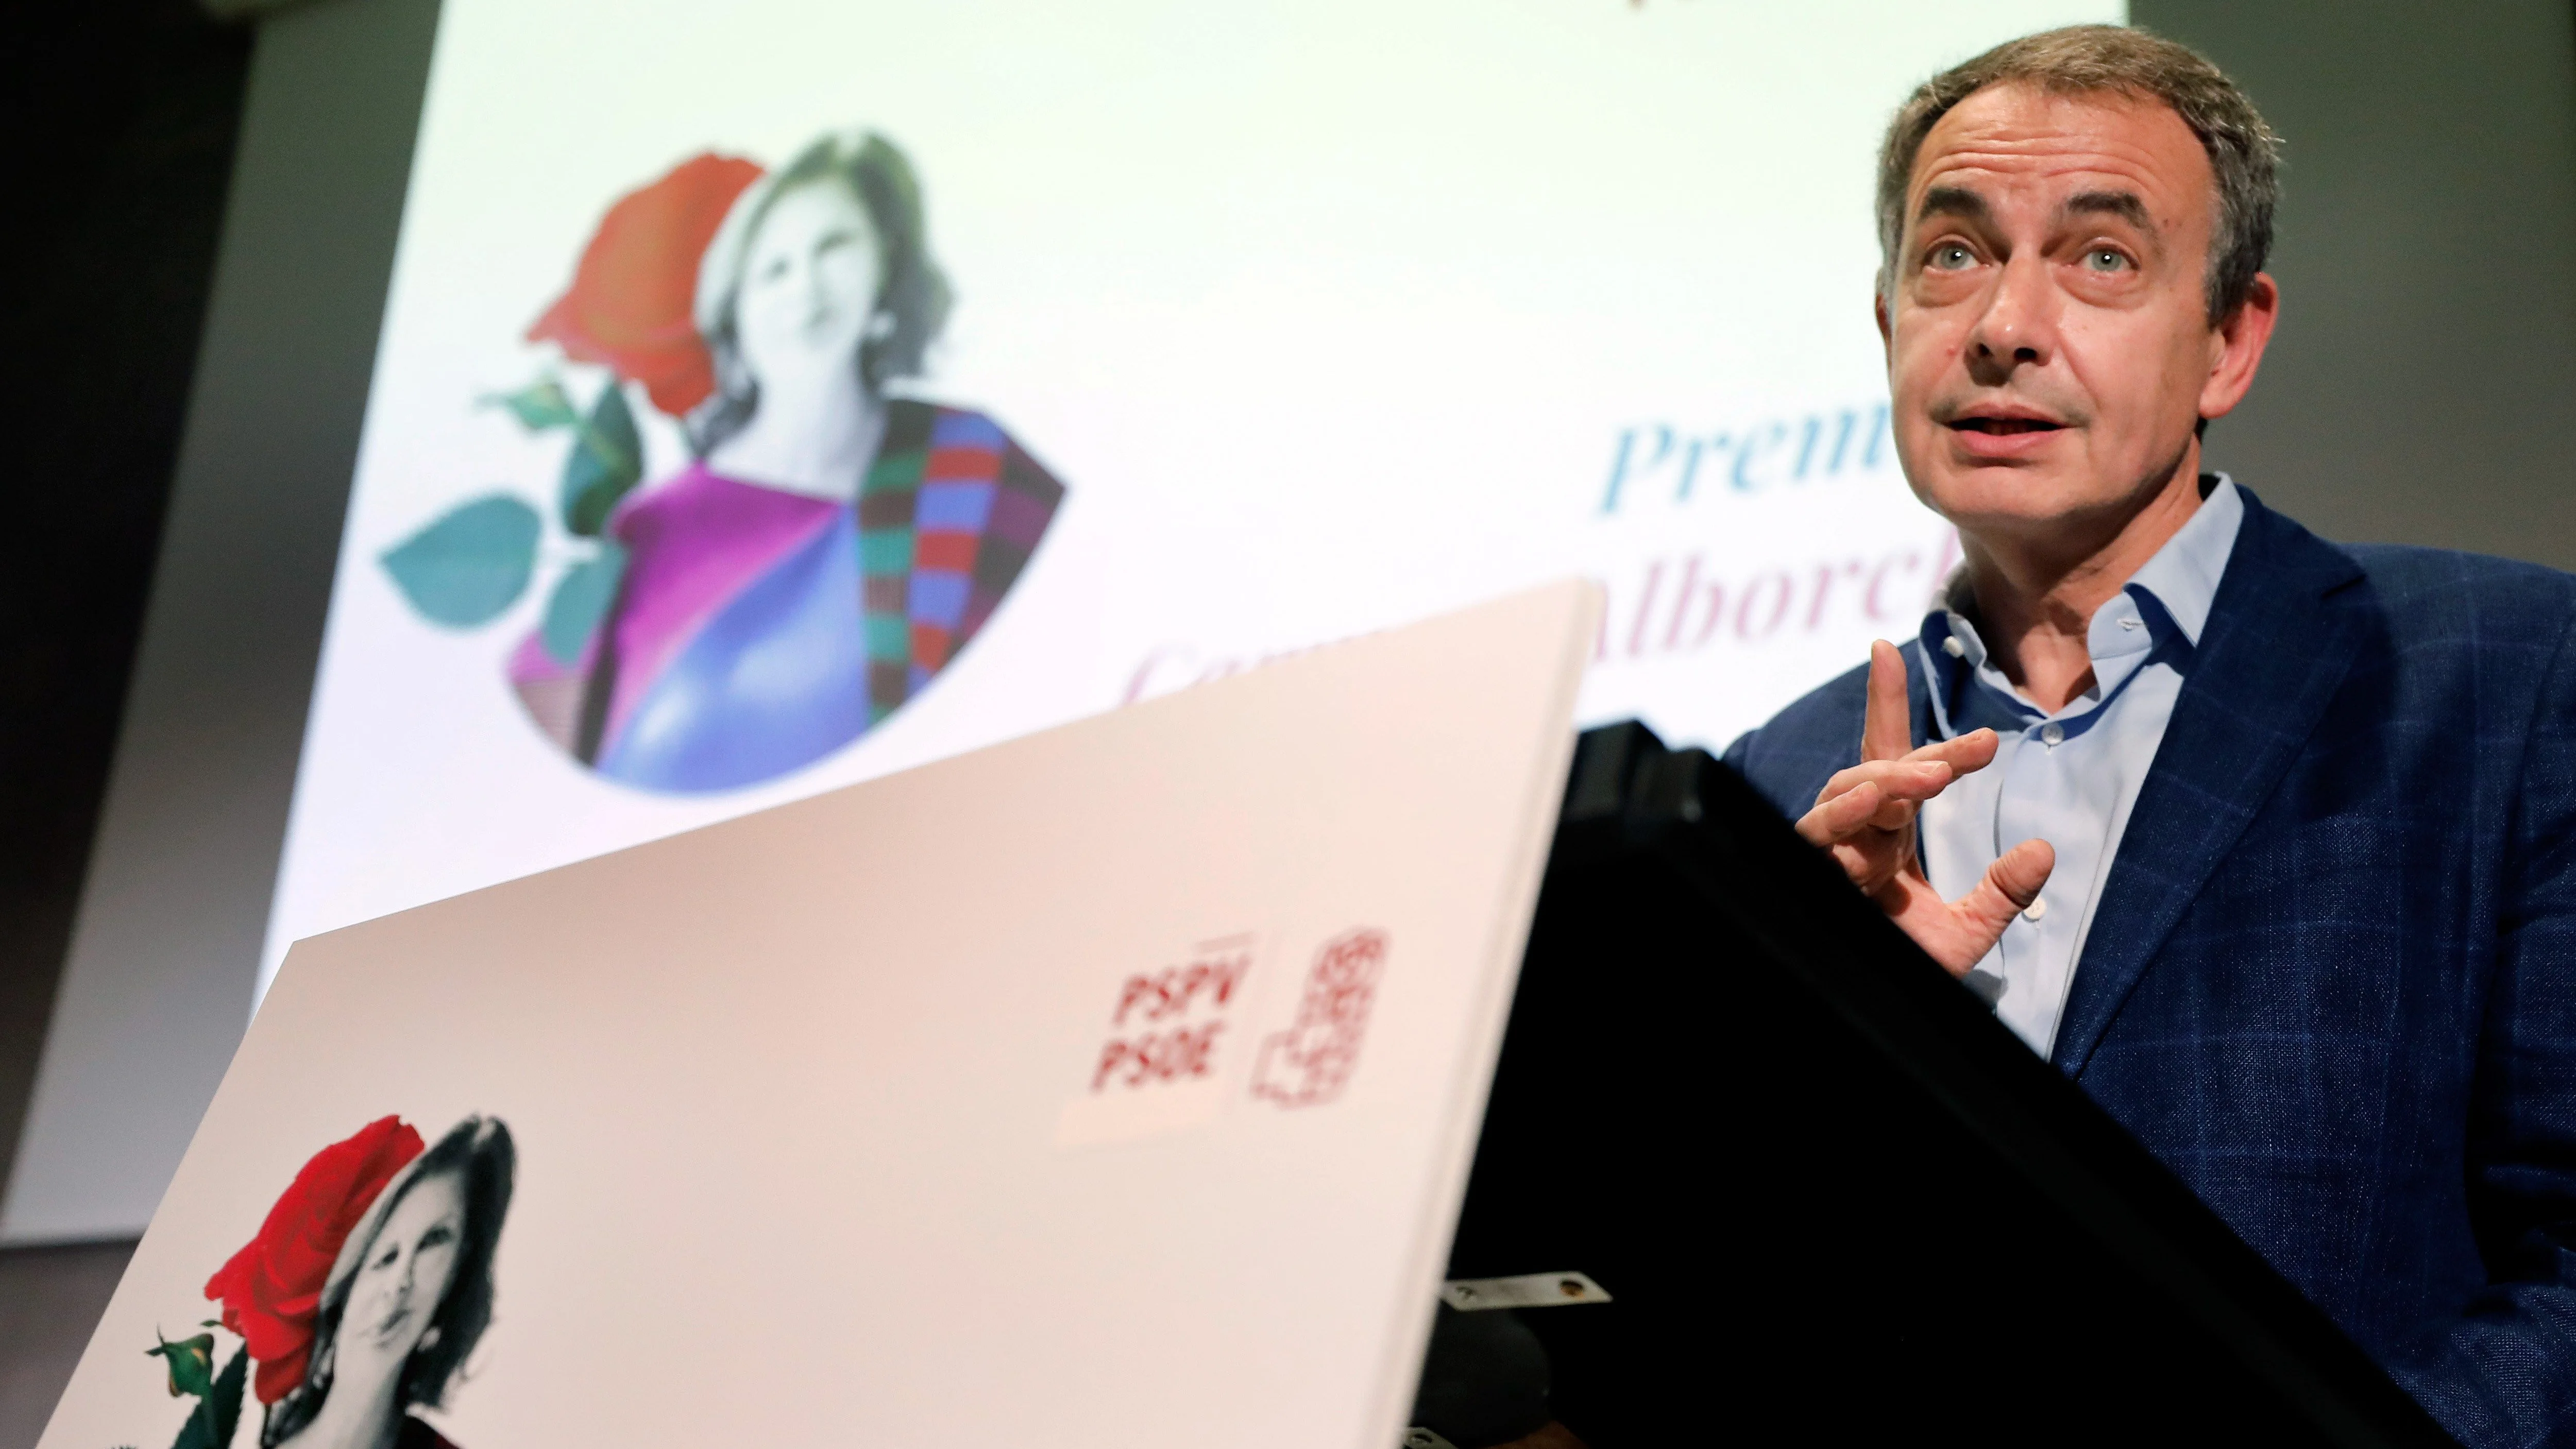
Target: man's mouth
{"points": [[2002, 427]]}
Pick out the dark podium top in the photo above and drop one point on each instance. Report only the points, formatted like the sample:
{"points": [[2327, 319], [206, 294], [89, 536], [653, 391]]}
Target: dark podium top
{"points": [[1832, 1199]]}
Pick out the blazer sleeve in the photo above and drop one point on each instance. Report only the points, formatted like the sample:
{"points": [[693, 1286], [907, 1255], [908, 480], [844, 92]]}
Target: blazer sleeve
{"points": [[1789, 759], [2503, 1371]]}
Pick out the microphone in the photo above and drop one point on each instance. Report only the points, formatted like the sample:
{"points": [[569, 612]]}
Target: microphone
{"points": [[1484, 1383]]}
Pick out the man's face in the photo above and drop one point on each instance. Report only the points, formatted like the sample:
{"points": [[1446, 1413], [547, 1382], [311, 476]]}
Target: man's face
{"points": [[2048, 340]]}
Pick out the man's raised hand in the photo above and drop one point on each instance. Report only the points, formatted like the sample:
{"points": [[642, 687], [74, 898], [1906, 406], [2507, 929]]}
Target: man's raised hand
{"points": [[1865, 818]]}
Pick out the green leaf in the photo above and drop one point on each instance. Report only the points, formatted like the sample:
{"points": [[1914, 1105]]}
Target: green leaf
{"points": [[540, 405], [607, 461], [467, 567], [219, 1413], [581, 598], [191, 1362], [225, 1405]]}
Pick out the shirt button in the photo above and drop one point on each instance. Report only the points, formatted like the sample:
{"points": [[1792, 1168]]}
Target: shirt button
{"points": [[1951, 646], [2052, 734], [2036, 910]]}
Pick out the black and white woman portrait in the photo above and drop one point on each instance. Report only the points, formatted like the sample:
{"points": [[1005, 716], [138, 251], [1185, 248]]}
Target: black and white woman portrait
{"points": [[407, 1298]]}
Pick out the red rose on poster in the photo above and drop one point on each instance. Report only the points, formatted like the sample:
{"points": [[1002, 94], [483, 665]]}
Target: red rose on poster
{"points": [[630, 302], [272, 1288]]}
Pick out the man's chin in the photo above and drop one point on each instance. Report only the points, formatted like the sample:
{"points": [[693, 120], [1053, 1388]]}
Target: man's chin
{"points": [[2010, 498]]}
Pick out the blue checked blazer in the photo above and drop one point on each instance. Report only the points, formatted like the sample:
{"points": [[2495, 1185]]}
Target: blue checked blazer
{"points": [[2331, 981]]}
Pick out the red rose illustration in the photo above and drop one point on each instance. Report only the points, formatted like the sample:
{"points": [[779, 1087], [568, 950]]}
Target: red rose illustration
{"points": [[273, 1286], [629, 304]]}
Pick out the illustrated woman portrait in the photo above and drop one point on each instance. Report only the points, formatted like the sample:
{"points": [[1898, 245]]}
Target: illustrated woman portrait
{"points": [[832, 545], [369, 1285]]}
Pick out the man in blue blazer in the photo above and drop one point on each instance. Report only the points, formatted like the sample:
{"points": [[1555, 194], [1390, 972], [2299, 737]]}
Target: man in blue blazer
{"points": [[2268, 843]]}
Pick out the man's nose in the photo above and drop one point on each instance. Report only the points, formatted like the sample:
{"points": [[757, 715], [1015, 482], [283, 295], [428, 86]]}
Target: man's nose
{"points": [[2019, 325]]}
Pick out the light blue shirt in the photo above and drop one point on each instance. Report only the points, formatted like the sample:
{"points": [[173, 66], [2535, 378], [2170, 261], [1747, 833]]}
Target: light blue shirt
{"points": [[2070, 777]]}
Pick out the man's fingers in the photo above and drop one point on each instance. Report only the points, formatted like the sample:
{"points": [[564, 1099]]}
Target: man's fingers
{"points": [[1896, 779], [2009, 886], [1968, 753], [1887, 729], [2023, 870], [1860, 865], [1836, 816], [1958, 934]]}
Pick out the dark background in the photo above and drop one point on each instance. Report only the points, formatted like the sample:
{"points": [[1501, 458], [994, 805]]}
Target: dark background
{"points": [[120, 117], [2422, 387]]}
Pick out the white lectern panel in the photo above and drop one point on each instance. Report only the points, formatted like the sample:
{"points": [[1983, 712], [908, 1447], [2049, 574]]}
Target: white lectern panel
{"points": [[1114, 1086]]}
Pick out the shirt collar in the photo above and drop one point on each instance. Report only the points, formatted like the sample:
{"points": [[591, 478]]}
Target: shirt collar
{"points": [[2184, 574], [2170, 595]]}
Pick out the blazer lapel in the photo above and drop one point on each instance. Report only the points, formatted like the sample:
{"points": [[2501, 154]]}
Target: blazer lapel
{"points": [[2270, 657]]}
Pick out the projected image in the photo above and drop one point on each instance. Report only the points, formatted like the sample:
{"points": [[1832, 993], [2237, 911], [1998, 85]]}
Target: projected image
{"points": [[361, 1298], [831, 545], [712, 461]]}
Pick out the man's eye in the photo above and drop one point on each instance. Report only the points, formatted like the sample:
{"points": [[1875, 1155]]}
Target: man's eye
{"points": [[2105, 259], [1951, 256]]}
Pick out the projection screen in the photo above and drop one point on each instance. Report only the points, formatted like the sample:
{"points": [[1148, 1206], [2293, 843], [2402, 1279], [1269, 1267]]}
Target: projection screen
{"points": [[1266, 326], [777, 394]]}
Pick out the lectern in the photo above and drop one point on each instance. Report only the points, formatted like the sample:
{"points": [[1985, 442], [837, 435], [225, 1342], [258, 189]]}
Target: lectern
{"points": [[1782, 1180]]}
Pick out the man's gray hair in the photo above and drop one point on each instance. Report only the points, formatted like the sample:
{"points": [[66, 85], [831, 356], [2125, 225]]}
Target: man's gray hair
{"points": [[2091, 60]]}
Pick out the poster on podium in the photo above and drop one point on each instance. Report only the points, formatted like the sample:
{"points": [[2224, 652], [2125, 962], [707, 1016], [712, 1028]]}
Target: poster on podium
{"points": [[1112, 1086]]}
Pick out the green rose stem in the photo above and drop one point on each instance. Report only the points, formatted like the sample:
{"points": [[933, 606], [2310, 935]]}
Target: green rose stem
{"points": [[218, 1412]]}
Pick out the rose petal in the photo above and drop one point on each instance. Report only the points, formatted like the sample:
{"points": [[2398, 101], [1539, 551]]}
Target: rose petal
{"points": [[632, 299], [272, 1288]]}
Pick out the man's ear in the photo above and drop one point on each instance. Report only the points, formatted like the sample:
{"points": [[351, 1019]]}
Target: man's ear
{"points": [[1886, 338], [2236, 347]]}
